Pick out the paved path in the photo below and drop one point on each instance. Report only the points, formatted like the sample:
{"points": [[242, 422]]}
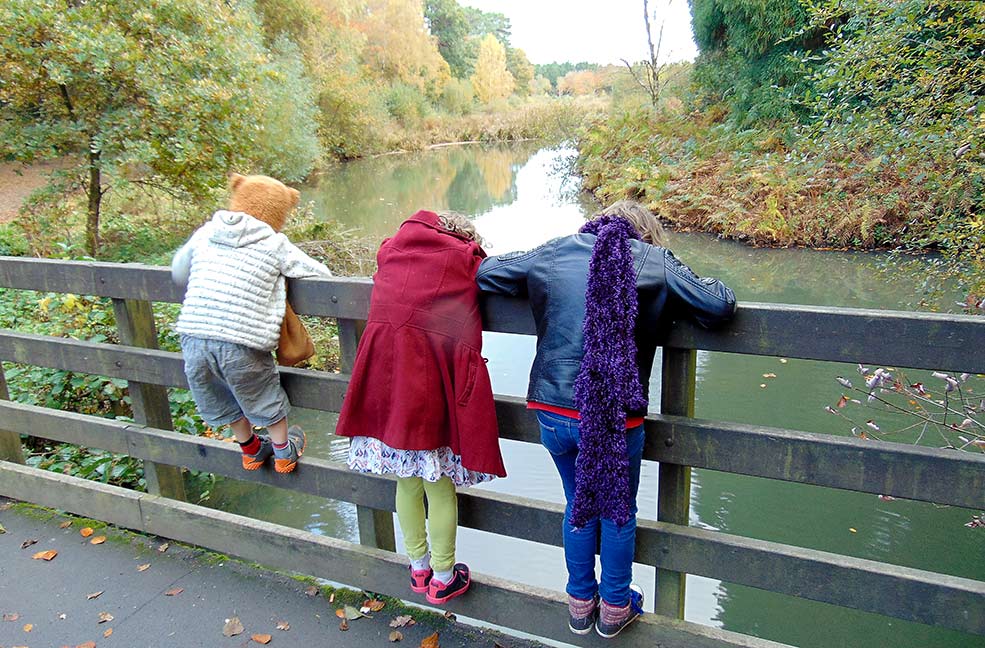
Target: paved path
{"points": [[49, 604]]}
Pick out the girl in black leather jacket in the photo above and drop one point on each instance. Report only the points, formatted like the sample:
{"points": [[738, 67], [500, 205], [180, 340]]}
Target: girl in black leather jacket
{"points": [[600, 299]]}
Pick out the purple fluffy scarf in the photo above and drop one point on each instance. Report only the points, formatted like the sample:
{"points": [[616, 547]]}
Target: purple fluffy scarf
{"points": [[608, 384]]}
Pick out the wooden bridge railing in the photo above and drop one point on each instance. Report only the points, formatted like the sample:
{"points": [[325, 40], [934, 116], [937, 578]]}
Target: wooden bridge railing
{"points": [[674, 438]]}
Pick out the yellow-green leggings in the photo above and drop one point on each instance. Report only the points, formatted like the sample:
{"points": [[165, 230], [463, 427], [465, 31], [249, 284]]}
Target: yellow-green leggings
{"points": [[442, 519]]}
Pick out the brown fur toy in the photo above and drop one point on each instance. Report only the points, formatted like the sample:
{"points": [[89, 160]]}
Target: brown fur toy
{"points": [[270, 201]]}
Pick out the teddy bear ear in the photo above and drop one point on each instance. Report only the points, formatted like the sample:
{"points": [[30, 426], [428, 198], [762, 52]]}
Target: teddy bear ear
{"points": [[235, 180], [295, 196]]}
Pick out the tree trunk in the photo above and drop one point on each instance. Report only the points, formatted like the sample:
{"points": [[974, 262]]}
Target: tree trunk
{"points": [[95, 198]]}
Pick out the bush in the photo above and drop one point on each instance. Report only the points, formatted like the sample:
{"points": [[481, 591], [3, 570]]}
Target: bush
{"points": [[407, 105], [458, 97], [12, 241]]}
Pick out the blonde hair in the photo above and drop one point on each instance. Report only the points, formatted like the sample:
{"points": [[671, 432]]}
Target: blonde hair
{"points": [[459, 224], [642, 219]]}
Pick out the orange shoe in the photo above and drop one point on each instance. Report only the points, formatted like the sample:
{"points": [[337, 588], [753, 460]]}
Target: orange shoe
{"points": [[296, 441], [255, 461]]}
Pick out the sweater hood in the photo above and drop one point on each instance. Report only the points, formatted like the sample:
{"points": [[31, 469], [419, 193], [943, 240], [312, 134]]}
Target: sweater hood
{"points": [[238, 229]]}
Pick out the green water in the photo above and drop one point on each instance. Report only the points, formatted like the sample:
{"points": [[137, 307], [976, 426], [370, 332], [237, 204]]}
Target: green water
{"points": [[519, 201]]}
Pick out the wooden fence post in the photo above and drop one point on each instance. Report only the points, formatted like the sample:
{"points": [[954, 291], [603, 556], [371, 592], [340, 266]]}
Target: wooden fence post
{"points": [[375, 526], [10, 442], [674, 495], [135, 324]]}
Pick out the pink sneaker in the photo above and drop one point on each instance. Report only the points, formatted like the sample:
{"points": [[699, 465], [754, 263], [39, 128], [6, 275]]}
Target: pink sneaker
{"points": [[439, 592], [420, 579]]}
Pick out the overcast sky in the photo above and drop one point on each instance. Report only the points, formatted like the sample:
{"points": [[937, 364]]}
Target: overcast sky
{"points": [[598, 31]]}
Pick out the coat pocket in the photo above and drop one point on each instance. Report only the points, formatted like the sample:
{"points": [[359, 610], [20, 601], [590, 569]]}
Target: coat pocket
{"points": [[466, 369]]}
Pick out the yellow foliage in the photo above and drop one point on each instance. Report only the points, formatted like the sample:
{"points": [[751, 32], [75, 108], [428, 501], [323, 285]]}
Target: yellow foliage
{"points": [[492, 80]]}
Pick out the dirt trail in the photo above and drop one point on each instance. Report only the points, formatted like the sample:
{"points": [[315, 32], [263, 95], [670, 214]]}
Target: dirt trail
{"points": [[17, 181]]}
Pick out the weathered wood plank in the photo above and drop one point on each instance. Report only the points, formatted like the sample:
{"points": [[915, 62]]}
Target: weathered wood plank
{"points": [[945, 600], [677, 386], [889, 338], [504, 603], [900, 470], [135, 324], [375, 524], [10, 442]]}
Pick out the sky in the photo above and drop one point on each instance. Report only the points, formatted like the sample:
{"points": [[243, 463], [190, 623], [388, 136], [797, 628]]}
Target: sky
{"points": [[597, 31]]}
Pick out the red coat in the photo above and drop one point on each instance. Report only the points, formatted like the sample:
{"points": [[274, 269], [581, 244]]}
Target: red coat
{"points": [[419, 381]]}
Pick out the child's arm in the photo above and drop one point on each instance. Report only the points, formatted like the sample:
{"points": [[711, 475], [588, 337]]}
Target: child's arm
{"points": [[296, 264], [506, 274], [181, 264], [709, 301]]}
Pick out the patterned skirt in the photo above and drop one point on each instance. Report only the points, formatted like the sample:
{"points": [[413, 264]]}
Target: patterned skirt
{"points": [[369, 455]]}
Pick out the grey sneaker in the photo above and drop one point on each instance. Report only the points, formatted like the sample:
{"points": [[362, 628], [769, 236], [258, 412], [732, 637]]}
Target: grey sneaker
{"points": [[582, 614], [296, 441], [610, 630], [266, 451]]}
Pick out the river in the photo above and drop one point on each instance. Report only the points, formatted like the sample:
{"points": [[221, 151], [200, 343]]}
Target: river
{"points": [[519, 200]]}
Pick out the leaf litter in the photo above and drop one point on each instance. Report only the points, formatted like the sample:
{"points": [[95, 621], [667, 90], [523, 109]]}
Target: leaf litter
{"points": [[430, 641], [402, 620], [233, 627], [94, 595], [261, 638], [47, 556], [105, 617]]}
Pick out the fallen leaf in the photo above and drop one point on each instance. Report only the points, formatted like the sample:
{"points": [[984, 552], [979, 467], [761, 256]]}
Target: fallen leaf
{"points": [[66, 524], [105, 617], [430, 642], [2, 530], [88, 644], [11, 616], [94, 595], [352, 613], [448, 615], [331, 599], [402, 620], [174, 591], [375, 605], [233, 627], [108, 632], [98, 540], [28, 543], [762, 385], [783, 361], [311, 591], [62, 616], [28, 627], [45, 555], [143, 567], [852, 529], [343, 625], [842, 401], [769, 375], [164, 547], [887, 498], [340, 613], [261, 638], [283, 625], [85, 532], [396, 635]]}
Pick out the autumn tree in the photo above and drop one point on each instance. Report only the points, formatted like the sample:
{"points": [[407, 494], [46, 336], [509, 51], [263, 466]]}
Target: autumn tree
{"points": [[449, 24], [522, 70], [171, 92], [399, 47], [492, 80]]}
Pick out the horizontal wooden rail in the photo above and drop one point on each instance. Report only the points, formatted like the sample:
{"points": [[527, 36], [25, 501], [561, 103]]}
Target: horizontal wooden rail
{"points": [[872, 586], [888, 338], [493, 600], [882, 468]]}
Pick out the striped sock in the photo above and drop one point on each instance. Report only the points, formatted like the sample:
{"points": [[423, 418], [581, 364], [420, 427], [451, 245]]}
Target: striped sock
{"points": [[579, 608], [613, 615], [252, 446]]}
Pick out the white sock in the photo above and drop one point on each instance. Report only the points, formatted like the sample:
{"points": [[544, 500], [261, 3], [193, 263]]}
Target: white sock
{"points": [[423, 563], [444, 576]]}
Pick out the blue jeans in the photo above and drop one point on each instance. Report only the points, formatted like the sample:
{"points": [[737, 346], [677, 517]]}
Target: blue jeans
{"points": [[559, 434]]}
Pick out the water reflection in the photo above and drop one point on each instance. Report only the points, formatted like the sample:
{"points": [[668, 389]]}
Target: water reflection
{"points": [[518, 203]]}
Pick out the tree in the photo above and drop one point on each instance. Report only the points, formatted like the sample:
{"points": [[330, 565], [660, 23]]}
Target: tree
{"points": [[172, 88], [491, 79], [487, 22], [399, 47], [650, 75], [449, 24], [554, 71], [521, 69]]}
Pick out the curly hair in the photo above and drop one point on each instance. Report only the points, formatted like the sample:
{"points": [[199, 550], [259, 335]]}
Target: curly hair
{"points": [[459, 224]]}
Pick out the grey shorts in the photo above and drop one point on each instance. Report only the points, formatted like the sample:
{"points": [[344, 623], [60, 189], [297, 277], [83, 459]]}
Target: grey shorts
{"points": [[231, 381]]}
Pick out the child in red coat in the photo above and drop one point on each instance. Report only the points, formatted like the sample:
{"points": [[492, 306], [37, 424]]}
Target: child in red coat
{"points": [[419, 404]]}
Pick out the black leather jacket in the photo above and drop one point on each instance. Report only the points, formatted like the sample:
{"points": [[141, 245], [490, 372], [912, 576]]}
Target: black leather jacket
{"points": [[554, 277]]}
